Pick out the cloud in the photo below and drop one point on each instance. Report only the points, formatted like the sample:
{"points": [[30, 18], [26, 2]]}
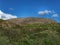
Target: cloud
{"points": [[44, 12], [55, 15], [11, 9], [6, 16], [50, 12]]}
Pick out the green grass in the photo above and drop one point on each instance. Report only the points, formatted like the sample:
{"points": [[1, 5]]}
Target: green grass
{"points": [[31, 34]]}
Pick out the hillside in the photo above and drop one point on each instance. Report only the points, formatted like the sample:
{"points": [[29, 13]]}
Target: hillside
{"points": [[29, 31], [32, 20]]}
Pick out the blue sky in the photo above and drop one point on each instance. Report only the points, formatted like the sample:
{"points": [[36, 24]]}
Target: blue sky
{"points": [[31, 8]]}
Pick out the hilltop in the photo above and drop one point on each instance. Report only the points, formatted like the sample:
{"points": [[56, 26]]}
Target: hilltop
{"points": [[32, 20]]}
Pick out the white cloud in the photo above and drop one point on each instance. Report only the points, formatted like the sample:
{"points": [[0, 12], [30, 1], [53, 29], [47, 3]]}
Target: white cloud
{"points": [[55, 15], [6, 16], [44, 12], [51, 12]]}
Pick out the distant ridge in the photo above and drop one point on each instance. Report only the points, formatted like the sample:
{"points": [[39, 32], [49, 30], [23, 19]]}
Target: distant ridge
{"points": [[31, 20]]}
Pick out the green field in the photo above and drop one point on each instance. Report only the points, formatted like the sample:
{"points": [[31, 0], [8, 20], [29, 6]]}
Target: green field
{"points": [[31, 34]]}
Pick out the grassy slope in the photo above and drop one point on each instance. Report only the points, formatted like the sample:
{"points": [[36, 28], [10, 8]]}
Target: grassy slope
{"points": [[29, 34]]}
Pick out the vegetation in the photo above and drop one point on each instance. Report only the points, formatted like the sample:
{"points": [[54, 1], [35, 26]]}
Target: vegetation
{"points": [[30, 34]]}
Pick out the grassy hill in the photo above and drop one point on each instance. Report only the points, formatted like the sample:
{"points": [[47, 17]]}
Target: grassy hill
{"points": [[32, 20], [13, 32]]}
